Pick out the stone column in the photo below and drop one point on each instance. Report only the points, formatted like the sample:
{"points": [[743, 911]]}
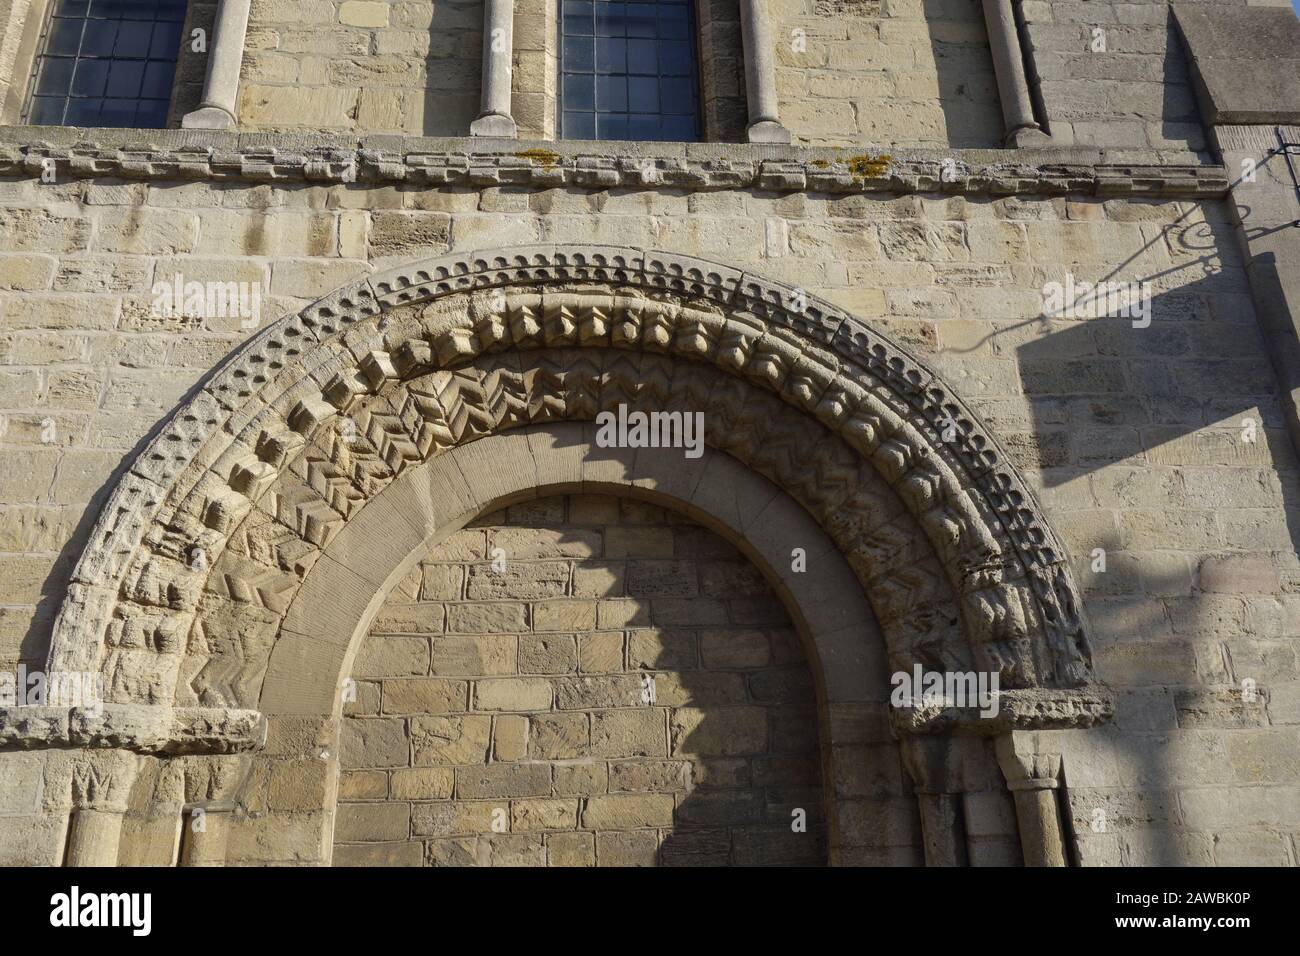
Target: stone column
{"points": [[1013, 86], [219, 109], [760, 73], [94, 836], [498, 47], [212, 787], [936, 766], [99, 788], [1033, 774]]}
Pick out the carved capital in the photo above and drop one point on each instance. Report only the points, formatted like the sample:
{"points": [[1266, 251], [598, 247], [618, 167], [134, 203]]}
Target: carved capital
{"points": [[1029, 761], [90, 780]]}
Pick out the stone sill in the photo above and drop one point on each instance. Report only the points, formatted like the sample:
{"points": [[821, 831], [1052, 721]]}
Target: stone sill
{"points": [[481, 162]]}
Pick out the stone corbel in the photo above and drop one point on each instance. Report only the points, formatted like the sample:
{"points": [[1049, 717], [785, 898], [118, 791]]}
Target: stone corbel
{"points": [[760, 74], [220, 106], [495, 119], [1022, 129], [1032, 767]]}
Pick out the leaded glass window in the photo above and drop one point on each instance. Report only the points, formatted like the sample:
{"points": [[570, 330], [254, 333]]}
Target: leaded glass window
{"points": [[628, 70], [107, 63]]}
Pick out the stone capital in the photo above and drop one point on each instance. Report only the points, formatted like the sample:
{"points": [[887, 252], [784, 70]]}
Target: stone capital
{"points": [[1028, 760]]}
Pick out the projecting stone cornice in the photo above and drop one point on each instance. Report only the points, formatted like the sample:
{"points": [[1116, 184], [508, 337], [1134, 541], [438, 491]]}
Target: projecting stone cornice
{"points": [[140, 728], [425, 162], [1022, 709]]}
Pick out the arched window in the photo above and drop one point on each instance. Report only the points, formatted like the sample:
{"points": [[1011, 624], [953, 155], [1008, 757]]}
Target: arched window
{"points": [[106, 63], [628, 70]]}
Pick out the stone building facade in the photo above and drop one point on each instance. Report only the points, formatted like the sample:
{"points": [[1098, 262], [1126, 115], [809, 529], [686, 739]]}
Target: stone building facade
{"points": [[310, 526]]}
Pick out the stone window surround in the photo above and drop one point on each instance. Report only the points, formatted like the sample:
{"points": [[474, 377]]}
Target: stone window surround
{"points": [[1022, 125], [20, 33], [495, 117], [496, 120]]}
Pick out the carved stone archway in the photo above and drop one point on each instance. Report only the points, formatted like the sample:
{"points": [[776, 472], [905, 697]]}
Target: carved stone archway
{"points": [[188, 583]]}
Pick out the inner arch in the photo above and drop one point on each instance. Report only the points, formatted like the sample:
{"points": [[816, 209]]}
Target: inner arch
{"points": [[343, 594], [581, 680]]}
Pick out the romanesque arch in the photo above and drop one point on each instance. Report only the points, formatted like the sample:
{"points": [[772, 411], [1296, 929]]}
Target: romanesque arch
{"points": [[245, 513]]}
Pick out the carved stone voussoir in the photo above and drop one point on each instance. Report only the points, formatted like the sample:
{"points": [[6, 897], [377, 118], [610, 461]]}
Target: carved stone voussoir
{"points": [[318, 413]]}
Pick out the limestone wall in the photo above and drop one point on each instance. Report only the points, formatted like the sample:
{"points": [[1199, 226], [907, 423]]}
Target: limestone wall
{"points": [[886, 72], [1164, 446], [849, 72], [503, 713]]}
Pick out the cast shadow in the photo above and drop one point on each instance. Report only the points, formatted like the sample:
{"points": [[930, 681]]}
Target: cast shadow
{"points": [[963, 63]]}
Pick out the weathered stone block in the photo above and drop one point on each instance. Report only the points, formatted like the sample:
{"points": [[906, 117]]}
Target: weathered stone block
{"points": [[627, 811]]}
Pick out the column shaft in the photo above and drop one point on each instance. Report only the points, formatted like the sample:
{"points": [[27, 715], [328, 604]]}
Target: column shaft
{"points": [[760, 74], [1041, 839], [93, 837], [1009, 65], [219, 109], [204, 838], [1032, 767], [494, 118]]}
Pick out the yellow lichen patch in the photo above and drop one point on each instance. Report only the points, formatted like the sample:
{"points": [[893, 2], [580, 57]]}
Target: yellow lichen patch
{"points": [[543, 157], [869, 167]]}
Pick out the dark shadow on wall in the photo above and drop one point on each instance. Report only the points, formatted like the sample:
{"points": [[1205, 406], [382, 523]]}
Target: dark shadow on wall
{"points": [[1163, 646], [743, 808], [963, 64], [191, 66], [1142, 671], [1193, 394], [728, 680], [1193, 389], [450, 97], [1180, 116], [720, 51], [1194, 385]]}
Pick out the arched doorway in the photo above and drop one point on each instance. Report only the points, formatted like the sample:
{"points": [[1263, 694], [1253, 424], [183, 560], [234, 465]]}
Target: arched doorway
{"points": [[243, 557]]}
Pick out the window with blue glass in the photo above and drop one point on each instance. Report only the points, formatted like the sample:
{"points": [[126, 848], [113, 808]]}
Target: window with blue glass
{"points": [[106, 63], [628, 70]]}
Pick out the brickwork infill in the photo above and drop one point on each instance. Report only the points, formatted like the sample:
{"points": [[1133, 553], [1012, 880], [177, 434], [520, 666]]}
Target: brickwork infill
{"points": [[503, 717]]}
